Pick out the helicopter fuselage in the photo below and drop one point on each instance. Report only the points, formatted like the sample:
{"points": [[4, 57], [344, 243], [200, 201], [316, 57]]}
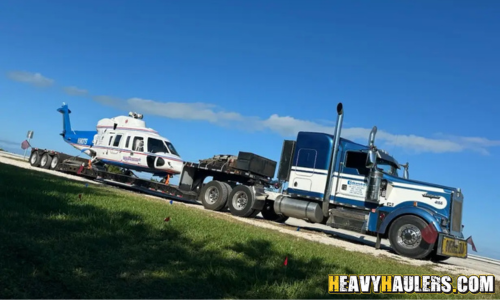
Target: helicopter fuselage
{"points": [[125, 142]]}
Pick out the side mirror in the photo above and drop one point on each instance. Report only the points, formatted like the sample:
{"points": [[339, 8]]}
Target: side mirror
{"points": [[371, 159]]}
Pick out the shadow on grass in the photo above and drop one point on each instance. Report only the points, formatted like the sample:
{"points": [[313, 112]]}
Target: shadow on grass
{"points": [[57, 246]]}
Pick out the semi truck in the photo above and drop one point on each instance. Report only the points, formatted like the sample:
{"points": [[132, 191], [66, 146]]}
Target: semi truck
{"points": [[329, 180]]}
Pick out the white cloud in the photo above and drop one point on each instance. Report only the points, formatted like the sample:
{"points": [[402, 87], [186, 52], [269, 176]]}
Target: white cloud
{"points": [[288, 126], [74, 91], [36, 79]]}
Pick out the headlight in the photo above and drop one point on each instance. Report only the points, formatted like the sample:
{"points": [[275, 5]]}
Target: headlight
{"points": [[444, 222]]}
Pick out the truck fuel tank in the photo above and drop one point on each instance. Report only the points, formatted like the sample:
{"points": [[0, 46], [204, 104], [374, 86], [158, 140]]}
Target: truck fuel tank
{"points": [[300, 209]]}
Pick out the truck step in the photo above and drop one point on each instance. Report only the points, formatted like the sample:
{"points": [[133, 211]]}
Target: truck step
{"points": [[348, 219]]}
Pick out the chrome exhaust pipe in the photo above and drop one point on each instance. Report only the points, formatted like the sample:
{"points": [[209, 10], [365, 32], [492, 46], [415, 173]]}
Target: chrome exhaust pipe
{"points": [[371, 139], [329, 177]]}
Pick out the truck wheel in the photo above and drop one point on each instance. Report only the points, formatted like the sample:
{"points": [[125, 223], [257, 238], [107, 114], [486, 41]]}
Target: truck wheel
{"points": [[269, 214], [55, 162], [406, 239], [35, 159], [438, 258], [213, 195], [229, 189], [241, 201], [45, 161]]}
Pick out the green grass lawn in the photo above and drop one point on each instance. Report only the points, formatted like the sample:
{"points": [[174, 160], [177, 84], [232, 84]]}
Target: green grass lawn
{"points": [[114, 244]]}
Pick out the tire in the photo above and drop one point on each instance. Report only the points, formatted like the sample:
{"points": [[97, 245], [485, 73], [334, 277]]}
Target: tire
{"points": [[35, 159], [269, 214], [420, 248], [438, 258], [45, 161], [241, 201], [213, 195], [229, 189], [55, 162]]}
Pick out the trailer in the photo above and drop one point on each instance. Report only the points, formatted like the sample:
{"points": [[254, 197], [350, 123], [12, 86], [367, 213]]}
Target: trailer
{"points": [[331, 181], [246, 178]]}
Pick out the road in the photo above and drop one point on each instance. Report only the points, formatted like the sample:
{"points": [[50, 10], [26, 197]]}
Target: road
{"points": [[324, 234]]}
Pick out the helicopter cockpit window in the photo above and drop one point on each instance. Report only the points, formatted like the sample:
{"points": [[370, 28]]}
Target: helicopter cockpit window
{"points": [[171, 148], [139, 144], [155, 146]]}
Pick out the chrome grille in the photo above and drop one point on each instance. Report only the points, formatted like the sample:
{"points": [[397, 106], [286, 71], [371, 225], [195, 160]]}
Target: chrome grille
{"points": [[456, 215]]}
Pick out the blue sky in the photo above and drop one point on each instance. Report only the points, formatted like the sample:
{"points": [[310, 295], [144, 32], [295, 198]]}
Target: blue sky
{"points": [[223, 76]]}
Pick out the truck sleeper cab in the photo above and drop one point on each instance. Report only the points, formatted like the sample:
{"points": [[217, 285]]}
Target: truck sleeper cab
{"points": [[350, 186]]}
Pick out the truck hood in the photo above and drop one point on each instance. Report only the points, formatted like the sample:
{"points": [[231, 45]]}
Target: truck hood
{"points": [[416, 182]]}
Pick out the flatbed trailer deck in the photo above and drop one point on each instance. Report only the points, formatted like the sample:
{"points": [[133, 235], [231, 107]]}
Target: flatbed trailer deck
{"points": [[244, 178]]}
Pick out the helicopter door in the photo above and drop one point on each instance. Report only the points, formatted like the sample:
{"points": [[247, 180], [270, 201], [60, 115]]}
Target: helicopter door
{"points": [[156, 146], [115, 150]]}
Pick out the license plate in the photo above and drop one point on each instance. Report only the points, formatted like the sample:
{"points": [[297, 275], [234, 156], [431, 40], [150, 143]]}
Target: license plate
{"points": [[453, 247]]}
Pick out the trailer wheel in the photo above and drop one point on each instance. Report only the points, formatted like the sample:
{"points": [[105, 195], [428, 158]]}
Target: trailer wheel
{"points": [[406, 239], [241, 201], [229, 189], [269, 214], [55, 162], [213, 195], [35, 159], [45, 161]]}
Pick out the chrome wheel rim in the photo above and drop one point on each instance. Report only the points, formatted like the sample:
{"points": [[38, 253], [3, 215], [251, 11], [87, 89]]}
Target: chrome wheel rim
{"points": [[240, 200], [211, 195], [409, 236], [33, 158], [53, 163], [44, 160]]}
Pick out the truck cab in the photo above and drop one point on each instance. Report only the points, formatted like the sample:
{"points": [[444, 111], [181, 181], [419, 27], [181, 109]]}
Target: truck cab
{"points": [[356, 187]]}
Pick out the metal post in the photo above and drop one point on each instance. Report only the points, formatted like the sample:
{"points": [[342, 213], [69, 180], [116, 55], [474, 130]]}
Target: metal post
{"points": [[29, 135]]}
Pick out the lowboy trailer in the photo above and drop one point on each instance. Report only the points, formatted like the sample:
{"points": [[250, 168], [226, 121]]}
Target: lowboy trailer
{"points": [[331, 181]]}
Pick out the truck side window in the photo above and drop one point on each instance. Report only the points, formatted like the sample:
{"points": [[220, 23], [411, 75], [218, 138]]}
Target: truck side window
{"points": [[357, 160]]}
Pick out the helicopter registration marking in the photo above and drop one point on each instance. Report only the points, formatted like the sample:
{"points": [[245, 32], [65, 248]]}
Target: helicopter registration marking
{"points": [[128, 158], [82, 141]]}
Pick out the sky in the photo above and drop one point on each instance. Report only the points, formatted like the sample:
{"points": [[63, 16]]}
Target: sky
{"points": [[220, 76]]}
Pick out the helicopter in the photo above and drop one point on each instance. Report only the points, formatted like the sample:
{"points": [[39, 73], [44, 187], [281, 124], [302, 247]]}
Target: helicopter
{"points": [[125, 142]]}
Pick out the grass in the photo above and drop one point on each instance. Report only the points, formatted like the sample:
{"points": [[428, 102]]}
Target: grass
{"points": [[113, 244]]}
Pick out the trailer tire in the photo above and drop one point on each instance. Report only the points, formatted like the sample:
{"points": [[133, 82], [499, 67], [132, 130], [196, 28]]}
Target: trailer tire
{"points": [[400, 239], [241, 201], [45, 161], [213, 195], [55, 162], [35, 159], [229, 189], [269, 214]]}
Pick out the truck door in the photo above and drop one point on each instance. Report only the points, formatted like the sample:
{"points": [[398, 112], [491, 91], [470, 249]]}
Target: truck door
{"points": [[302, 175], [353, 178]]}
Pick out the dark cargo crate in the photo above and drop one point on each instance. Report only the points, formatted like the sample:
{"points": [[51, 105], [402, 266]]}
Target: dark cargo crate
{"points": [[255, 164]]}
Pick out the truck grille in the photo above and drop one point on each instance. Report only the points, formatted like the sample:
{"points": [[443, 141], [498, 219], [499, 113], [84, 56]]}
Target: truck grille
{"points": [[456, 215]]}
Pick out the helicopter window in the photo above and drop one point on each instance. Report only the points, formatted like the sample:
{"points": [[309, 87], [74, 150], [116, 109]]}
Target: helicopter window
{"points": [[139, 144], [155, 146], [127, 142], [117, 140], [171, 148], [110, 138]]}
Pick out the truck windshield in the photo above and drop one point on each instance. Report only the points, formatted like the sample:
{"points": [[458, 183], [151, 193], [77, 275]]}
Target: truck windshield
{"points": [[171, 148], [388, 168]]}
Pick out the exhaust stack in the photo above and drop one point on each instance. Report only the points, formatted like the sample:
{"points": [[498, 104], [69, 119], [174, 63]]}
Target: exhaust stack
{"points": [[329, 178], [371, 139]]}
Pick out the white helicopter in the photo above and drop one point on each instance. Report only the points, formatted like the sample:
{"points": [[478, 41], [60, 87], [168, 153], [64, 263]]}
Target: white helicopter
{"points": [[126, 142]]}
